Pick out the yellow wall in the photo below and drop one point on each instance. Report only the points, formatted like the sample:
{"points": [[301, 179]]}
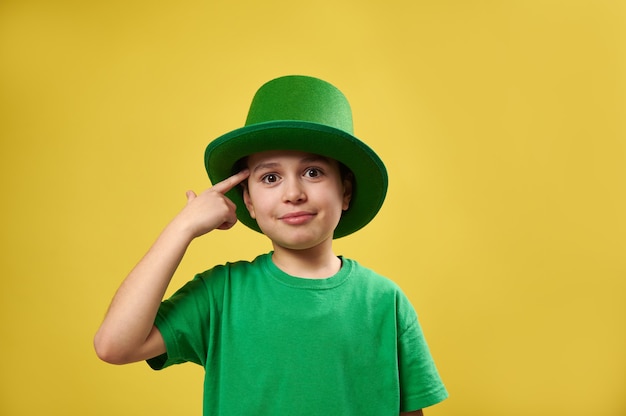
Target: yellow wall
{"points": [[501, 122]]}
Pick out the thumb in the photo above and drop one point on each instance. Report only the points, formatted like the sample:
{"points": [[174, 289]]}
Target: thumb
{"points": [[191, 195]]}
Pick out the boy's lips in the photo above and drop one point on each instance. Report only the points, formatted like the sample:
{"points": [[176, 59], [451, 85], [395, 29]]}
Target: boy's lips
{"points": [[295, 218]]}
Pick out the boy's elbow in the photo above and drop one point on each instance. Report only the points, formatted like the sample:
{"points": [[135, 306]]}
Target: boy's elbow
{"points": [[108, 351], [115, 348]]}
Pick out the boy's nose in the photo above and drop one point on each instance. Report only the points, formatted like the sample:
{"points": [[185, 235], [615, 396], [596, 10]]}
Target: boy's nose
{"points": [[294, 191]]}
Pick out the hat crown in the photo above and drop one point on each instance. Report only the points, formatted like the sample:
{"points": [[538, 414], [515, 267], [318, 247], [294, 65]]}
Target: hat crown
{"points": [[301, 98]]}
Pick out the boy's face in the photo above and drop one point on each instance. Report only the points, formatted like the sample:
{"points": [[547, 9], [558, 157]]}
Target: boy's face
{"points": [[296, 198]]}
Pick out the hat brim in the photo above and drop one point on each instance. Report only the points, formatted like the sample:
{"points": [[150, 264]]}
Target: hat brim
{"points": [[370, 175]]}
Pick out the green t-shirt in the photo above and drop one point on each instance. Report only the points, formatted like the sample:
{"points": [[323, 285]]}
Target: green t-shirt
{"points": [[274, 344]]}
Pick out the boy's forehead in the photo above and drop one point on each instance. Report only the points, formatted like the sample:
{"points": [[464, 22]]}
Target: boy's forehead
{"points": [[277, 156]]}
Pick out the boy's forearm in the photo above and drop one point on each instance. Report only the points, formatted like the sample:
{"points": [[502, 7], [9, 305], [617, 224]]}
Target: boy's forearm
{"points": [[128, 323]]}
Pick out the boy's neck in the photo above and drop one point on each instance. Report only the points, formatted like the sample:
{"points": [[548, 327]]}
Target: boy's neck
{"points": [[314, 263]]}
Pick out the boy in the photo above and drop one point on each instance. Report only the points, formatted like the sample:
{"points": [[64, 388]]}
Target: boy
{"points": [[297, 331]]}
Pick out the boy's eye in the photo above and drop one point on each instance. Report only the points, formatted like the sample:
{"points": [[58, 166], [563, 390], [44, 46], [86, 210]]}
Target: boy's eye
{"points": [[269, 178], [312, 173]]}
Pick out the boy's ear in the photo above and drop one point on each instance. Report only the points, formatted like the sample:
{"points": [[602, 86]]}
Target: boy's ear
{"points": [[248, 201], [347, 191]]}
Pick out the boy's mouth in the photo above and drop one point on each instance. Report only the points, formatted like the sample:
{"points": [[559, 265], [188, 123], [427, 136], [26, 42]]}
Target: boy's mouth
{"points": [[296, 218]]}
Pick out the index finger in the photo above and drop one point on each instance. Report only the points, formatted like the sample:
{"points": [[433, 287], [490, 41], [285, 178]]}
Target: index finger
{"points": [[230, 182]]}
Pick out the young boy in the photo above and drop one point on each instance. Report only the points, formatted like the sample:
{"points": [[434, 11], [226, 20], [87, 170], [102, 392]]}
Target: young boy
{"points": [[297, 331]]}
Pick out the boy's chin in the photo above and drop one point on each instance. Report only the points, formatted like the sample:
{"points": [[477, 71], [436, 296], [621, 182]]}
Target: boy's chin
{"points": [[301, 243]]}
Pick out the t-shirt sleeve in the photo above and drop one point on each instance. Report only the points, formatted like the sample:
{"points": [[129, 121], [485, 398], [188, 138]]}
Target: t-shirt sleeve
{"points": [[420, 383], [186, 321]]}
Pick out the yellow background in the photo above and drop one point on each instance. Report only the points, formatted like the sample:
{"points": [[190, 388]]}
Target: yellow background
{"points": [[501, 122]]}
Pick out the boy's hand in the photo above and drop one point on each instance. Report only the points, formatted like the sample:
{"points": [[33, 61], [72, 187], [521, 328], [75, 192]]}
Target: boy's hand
{"points": [[211, 209]]}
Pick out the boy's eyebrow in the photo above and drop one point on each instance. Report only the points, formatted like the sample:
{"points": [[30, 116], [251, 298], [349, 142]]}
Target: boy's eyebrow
{"points": [[308, 159], [266, 165]]}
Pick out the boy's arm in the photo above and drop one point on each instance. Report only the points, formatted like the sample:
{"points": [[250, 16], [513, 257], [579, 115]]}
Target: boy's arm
{"points": [[127, 333]]}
